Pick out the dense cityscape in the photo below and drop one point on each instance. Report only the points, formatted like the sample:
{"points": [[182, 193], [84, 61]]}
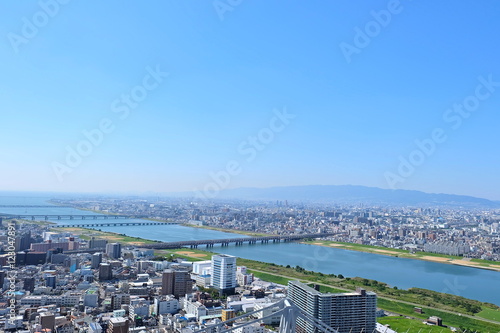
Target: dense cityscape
{"points": [[471, 233], [232, 166], [60, 283], [59, 280]]}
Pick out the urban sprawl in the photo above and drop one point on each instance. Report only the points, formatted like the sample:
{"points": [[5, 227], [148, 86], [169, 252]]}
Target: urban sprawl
{"points": [[58, 280]]}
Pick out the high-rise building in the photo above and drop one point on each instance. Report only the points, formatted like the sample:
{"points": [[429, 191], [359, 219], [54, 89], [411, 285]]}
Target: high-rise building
{"points": [[114, 250], [346, 312], [224, 273], [50, 281], [74, 264], [48, 320], [2, 279], [105, 272], [96, 260], [23, 242], [51, 253], [97, 243], [176, 282], [29, 284]]}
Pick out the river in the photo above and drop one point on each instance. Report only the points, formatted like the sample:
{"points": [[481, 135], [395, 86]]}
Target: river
{"points": [[474, 283]]}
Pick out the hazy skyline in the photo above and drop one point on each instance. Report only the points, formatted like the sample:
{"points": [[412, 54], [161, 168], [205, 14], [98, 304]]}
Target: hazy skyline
{"points": [[177, 96]]}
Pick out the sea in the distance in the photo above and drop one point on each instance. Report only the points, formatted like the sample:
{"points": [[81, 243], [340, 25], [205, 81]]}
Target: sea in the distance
{"points": [[474, 283]]}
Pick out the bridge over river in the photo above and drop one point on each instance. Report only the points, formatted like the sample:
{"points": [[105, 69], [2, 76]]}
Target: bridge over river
{"points": [[238, 241], [111, 224]]}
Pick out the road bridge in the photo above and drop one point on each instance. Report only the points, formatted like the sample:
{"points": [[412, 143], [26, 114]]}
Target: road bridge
{"points": [[111, 224], [237, 241]]}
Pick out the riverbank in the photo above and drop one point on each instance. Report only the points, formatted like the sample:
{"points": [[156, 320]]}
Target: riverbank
{"points": [[442, 259], [449, 307], [233, 231], [391, 299], [112, 237]]}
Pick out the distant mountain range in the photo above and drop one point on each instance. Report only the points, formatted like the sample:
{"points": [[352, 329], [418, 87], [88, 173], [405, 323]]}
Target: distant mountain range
{"points": [[350, 194]]}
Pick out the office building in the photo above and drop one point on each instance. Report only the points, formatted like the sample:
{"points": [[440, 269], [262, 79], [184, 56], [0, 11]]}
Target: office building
{"points": [[346, 312], [29, 284], [50, 281], [176, 282], [48, 320], [23, 242], [97, 243], [105, 272], [224, 273], [96, 260], [114, 250], [2, 279], [30, 258]]}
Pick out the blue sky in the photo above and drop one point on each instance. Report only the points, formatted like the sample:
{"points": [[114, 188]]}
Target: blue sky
{"points": [[232, 65]]}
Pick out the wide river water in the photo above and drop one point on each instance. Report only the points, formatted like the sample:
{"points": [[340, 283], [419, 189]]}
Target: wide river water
{"points": [[474, 283]]}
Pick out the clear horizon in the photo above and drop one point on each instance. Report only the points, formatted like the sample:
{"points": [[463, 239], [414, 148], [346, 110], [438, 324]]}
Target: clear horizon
{"points": [[205, 96], [183, 193]]}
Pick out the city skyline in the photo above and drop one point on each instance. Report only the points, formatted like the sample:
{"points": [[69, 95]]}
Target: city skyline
{"points": [[177, 97]]}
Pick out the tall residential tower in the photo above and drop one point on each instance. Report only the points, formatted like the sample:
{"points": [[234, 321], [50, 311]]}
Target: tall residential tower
{"points": [[346, 312], [224, 273]]}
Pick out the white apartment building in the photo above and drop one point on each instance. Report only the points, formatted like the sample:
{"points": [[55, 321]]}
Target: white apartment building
{"points": [[224, 273]]}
